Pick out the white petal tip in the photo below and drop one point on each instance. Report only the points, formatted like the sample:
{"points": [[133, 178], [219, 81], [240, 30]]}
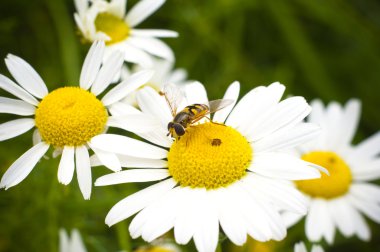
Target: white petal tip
{"points": [[64, 182]]}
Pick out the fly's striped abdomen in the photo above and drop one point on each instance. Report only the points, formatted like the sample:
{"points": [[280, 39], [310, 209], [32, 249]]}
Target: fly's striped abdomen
{"points": [[196, 110]]}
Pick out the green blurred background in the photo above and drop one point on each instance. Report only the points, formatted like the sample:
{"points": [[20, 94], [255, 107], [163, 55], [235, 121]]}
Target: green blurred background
{"points": [[318, 48]]}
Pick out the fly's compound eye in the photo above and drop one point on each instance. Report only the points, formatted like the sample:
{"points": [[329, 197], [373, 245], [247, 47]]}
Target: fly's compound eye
{"points": [[179, 129], [170, 125]]}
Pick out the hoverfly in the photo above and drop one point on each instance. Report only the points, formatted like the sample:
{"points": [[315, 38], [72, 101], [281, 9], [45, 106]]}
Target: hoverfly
{"points": [[191, 113]]}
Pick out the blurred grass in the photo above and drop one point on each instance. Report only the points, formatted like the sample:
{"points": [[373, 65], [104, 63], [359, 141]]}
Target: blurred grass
{"points": [[319, 49]]}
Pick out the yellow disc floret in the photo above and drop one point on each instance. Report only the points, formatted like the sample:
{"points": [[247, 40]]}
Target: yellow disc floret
{"points": [[70, 116], [209, 156], [335, 185], [113, 26]]}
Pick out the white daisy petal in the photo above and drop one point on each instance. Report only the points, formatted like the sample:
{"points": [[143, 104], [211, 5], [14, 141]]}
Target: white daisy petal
{"points": [[79, 23], [275, 222], [291, 219], [121, 108], [66, 165], [350, 120], [230, 217], [319, 117], [137, 224], [287, 113], [14, 89], [300, 247], [16, 107], [341, 211], [76, 242], [36, 137], [258, 102], [127, 146], [23, 166], [124, 88], [137, 201], [279, 192], [142, 10], [318, 113], [317, 248], [370, 209], [285, 139], [134, 162], [256, 223], [26, 76], [134, 123], [282, 166], [81, 6], [246, 103], [187, 217], [63, 241], [15, 128], [118, 7], [327, 227], [92, 64], [231, 93], [153, 46], [158, 136], [154, 33], [313, 229], [134, 175], [207, 232], [177, 76], [369, 148], [162, 215], [152, 103], [136, 55], [334, 117], [196, 93], [107, 159], [107, 72], [83, 169], [366, 171], [361, 227], [366, 192]]}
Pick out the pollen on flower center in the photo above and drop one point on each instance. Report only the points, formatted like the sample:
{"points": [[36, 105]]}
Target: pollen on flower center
{"points": [[113, 26], [70, 116], [335, 185], [209, 156]]}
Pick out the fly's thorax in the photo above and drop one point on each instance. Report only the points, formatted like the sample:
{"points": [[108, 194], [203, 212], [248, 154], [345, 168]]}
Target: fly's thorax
{"points": [[182, 118]]}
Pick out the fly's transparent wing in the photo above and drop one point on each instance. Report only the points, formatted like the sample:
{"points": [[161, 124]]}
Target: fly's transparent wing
{"points": [[173, 96], [219, 104]]}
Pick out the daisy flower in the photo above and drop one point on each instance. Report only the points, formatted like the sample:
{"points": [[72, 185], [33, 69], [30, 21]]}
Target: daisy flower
{"points": [[300, 247], [108, 21], [73, 244], [230, 172], [163, 73], [339, 201], [66, 118], [161, 246]]}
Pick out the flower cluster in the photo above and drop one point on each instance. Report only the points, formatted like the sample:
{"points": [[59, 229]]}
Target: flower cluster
{"points": [[249, 167]]}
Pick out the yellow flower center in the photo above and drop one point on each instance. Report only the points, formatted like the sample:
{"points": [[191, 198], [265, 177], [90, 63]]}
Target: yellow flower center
{"points": [[154, 249], [70, 116], [335, 185], [113, 26], [209, 156]]}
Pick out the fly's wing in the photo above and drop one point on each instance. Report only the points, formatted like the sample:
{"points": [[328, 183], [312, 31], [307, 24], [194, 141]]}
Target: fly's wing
{"points": [[173, 96], [219, 104]]}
